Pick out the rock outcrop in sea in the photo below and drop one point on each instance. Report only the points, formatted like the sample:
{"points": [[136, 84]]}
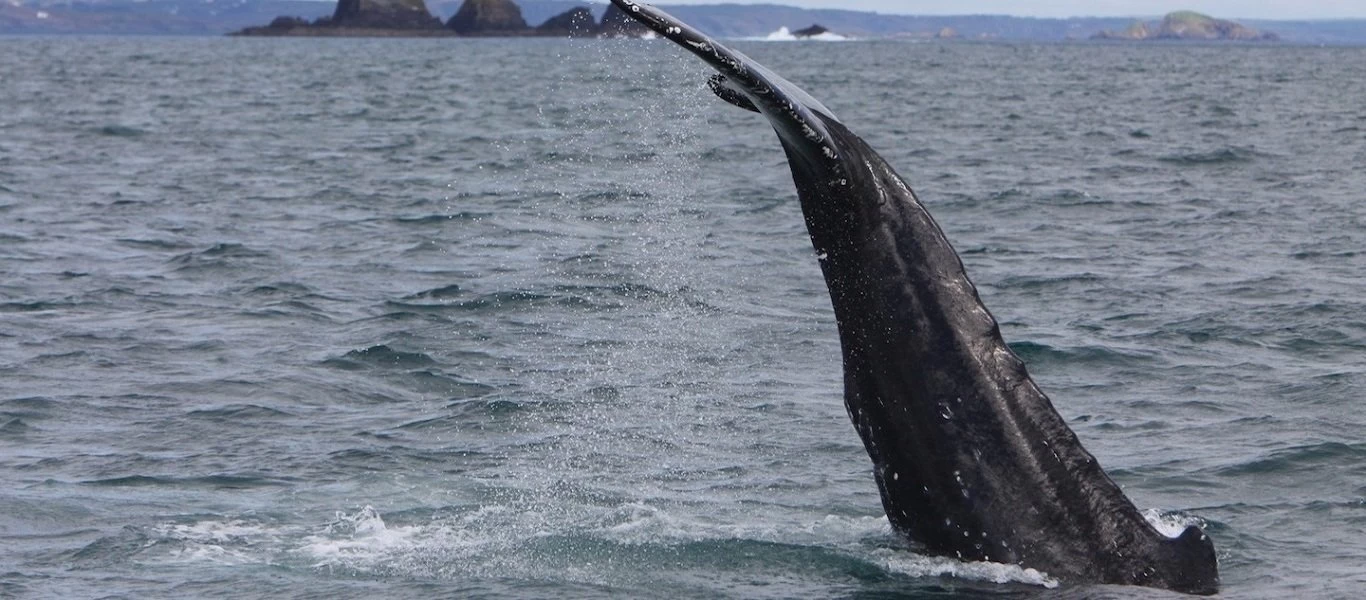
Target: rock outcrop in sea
{"points": [[489, 18], [360, 18], [477, 18], [1138, 30], [388, 14], [1188, 25]]}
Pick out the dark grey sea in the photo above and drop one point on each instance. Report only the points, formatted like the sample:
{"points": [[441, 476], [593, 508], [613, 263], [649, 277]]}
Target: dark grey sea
{"points": [[531, 318]]}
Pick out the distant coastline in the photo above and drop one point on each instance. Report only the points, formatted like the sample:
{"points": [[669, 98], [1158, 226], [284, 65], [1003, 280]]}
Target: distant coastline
{"points": [[200, 17], [503, 18]]}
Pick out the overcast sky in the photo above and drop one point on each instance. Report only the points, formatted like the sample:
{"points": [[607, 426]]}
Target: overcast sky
{"points": [[1230, 9]]}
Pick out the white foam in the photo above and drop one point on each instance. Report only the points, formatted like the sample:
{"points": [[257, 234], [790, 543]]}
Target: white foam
{"points": [[1170, 524], [210, 553], [358, 538], [218, 532], [501, 540], [783, 34], [640, 523], [231, 542], [848, 526], [353, 542], [916, 565]]}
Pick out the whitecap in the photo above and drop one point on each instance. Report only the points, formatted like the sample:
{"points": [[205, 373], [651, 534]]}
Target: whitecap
{"points": [[358, 538], [917, 565], [1170, 524]]}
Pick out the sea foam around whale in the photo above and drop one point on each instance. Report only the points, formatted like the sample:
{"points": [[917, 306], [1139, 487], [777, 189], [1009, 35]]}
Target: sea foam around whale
{"points": [[783, 34]]}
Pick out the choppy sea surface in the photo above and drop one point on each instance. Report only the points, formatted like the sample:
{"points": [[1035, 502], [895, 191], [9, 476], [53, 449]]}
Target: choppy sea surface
{"points": [[505, 319]]}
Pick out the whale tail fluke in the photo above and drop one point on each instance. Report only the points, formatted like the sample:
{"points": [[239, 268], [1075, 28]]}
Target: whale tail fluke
{"points": [[798, 118]]}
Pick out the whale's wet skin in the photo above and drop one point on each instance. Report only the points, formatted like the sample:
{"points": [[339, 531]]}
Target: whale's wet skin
{"points": [[566, 337], [971, 459]]}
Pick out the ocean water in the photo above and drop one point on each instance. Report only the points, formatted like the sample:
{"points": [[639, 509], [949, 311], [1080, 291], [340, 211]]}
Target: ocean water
{"points": [[536, 318]]}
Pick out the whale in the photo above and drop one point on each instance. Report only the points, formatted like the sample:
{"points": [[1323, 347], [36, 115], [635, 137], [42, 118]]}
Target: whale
{"points": [[970, 457]]}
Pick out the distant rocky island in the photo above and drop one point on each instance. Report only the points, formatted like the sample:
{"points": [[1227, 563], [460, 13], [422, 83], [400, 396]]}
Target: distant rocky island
{"points": [[1187, 25], [475, 18], [360, 18]]}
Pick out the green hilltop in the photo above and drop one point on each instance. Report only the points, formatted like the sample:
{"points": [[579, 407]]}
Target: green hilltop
{"points": [[1187, 16]]}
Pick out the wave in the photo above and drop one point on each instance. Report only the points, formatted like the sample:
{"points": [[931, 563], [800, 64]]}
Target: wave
{"points": [[123, 131], [1227, 155], [214, 482], [238, 412], [439, 293], [1038, 353], [1171, 524], [225, 255], [14, 427], [624, 539], [488, 303], [1295, 459], [380, 356], [608, 550]]}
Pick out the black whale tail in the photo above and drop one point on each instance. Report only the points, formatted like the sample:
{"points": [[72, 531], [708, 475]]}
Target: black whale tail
{"points": [[1193, 562], [915, 337]]}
